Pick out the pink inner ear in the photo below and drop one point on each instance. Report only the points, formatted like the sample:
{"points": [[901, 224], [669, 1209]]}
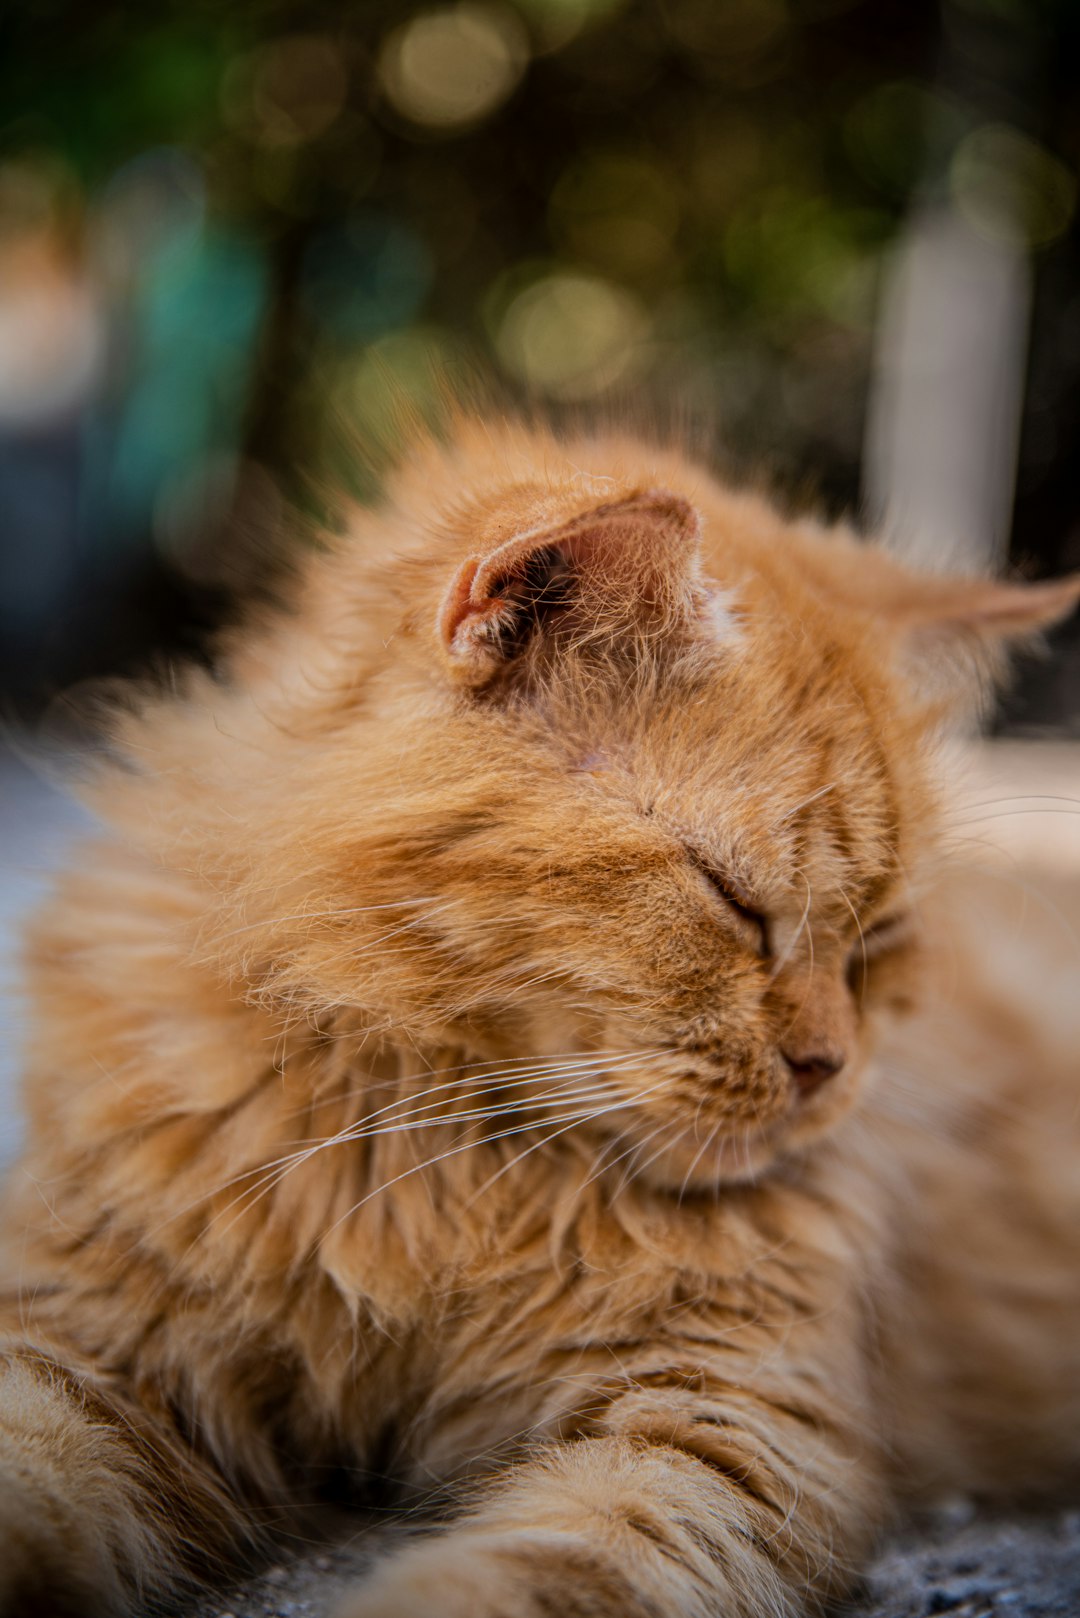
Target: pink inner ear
{"points": [[476, 601], [632, 537], [458, 604], [510, 558]]}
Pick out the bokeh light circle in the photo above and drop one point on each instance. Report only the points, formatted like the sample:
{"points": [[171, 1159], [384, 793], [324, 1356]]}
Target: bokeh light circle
{"points": [[1011, 188], [449, 69], [571, 335]]}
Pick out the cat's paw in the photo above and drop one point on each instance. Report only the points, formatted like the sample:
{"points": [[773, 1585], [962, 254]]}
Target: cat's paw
{"points": [[437, 1581], [42, 1576], [495, 1575]]}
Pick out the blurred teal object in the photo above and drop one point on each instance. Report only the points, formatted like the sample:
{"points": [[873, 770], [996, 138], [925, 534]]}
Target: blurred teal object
{"points": [[364, 276], [194, 326]]}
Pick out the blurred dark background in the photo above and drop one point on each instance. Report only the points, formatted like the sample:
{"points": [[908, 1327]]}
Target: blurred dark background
{"points": [[841, 234]]}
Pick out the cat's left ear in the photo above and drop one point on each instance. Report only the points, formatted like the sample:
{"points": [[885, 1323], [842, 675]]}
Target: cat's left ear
{"points": [[634, 558], [955, 634], [992, 610]]}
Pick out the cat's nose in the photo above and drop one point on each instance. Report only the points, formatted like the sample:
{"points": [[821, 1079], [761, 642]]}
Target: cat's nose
{"points": [[810, 1069]]}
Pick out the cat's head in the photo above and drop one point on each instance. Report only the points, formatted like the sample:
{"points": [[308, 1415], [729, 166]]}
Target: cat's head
{"points": [[573, 753]]}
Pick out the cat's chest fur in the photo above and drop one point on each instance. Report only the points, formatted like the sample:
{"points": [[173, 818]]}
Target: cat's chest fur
{"points": [[463, 1348]]}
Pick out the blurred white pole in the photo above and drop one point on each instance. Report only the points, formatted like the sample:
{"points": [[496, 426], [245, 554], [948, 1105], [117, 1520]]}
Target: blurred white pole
{"points": [[945, 406]]}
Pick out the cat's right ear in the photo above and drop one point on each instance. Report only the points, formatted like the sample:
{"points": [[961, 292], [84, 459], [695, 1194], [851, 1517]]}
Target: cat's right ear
{"points": [[630, 558]]}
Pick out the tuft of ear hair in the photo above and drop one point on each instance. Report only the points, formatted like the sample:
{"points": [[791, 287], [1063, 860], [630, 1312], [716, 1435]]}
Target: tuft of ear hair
{"points": [[636, 556]]}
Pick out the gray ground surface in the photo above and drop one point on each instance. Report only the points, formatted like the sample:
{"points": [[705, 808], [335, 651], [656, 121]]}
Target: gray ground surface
{"points": [[953, 1564], [36, 824], [980, 1569]]}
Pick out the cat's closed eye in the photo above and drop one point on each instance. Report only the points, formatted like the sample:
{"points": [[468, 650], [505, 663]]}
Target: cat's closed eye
{"points": [[753, 926], [890, 933], [884, 938]]}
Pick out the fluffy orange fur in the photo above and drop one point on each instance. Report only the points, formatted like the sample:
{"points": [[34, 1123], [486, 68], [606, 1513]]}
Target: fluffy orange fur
{"points": [[520, 1043]]}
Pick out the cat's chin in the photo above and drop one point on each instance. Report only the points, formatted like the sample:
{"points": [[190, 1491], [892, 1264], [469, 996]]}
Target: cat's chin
{"points": [[736, 1160], [740, 1158]]}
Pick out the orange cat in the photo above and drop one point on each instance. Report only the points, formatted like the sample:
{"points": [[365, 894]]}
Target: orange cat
{"points": [[519, 1042]]}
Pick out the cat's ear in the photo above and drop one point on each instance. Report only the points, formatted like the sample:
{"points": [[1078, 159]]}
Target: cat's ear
{"points": [[634, 557], [949, 625], [986, 609]]}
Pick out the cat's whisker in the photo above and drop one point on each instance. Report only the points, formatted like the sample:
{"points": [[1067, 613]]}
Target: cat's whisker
{"points": [[603, 1162], [748, 1161], [348, 951], [511, 981], [551, 1098], [548, 1139], [635, 1165], [511, 1080], [782, 960], [808, 988], [862, 939], [789, 814], [454, 1150], [635, 1168], [1011, 814], [516, 1075], [1021, 797], [708, 1142], [694, 1130], [540, 1069], [632, 1151], [271, 1175], [506, 1167], [301, 916]]}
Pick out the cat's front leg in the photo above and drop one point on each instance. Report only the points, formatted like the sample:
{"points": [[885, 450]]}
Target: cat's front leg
{"points": [[676, 1512], [102, 1514]]}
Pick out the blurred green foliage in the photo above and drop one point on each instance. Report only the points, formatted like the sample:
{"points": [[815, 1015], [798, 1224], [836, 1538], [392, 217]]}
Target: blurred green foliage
{"points": [[285, 207]]}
